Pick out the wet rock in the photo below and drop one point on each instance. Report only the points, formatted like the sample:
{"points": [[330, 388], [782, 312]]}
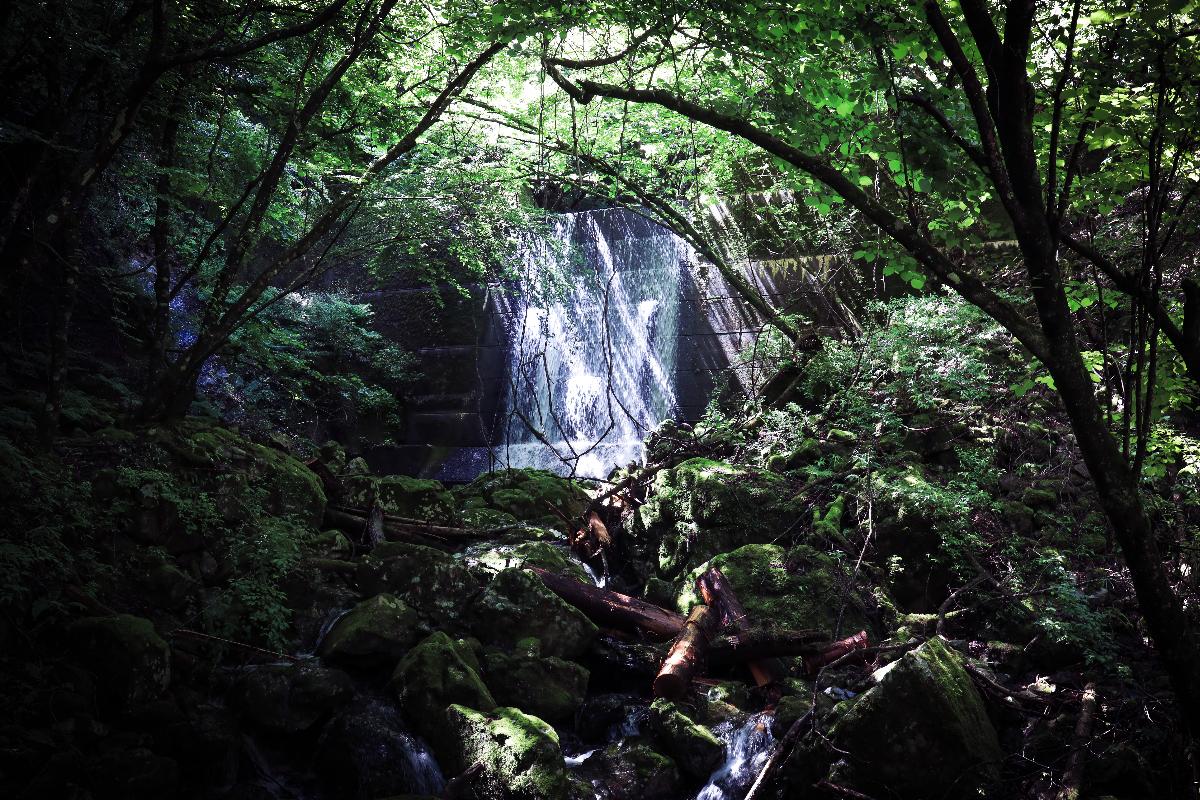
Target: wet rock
{"points": [[437, 672], [922, 731], [545, 686], [605, 717], [497, 557], [401, 496], [632, 769], [703, 507], [367, 752], [517, 605], [376, 631], [784, 589], [130, 660], [692, 746], [520, 754], [434, 583], [292, 698]]}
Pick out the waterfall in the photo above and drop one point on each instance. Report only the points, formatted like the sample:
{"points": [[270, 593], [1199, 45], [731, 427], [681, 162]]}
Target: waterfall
{"points": [[593, 332], [747, 748]]}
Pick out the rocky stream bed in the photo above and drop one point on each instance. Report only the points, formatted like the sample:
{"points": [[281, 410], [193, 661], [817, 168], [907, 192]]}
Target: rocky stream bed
{"points": [[426, 658]]}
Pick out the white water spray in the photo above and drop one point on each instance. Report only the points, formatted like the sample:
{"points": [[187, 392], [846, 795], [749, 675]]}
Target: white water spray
{"points": [[593, 365]]}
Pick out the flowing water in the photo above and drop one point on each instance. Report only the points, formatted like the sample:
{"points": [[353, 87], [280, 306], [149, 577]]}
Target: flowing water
{"points": [[747, 748], [593, 359]]}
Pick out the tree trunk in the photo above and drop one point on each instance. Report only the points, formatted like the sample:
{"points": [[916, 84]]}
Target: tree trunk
{"points": [[686, 654], [717, 591], [614, 609]]}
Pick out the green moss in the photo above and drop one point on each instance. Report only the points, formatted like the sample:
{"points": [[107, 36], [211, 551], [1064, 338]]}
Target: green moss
{"points": [[926, 728], [378, 630], [435, 583], [806, 596], [530, 495], [437, 672], [691, 745], [703, 507], [496, 557], [517, 605], [546, 686], [519, 753]]}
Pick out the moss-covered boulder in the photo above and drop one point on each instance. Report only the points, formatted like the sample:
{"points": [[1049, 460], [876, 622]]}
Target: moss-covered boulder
{"points": [[922, 731], [291, 698], [130, 660], [782, 589], [691, 745], [545, 686], [402, 496], [497, 557], [530, 495], [632, 769], [703, 507], [520, 754], [436, 584], [437, 672], [291, 488], [376, 631], [516, 605]]}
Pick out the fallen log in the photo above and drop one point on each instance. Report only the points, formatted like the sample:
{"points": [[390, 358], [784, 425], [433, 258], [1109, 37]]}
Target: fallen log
{"points": [[1073, 776], [754, 645], [424, 526], [717, 591], [831, 653], [358, 528], [614, 609], [686, 654]]}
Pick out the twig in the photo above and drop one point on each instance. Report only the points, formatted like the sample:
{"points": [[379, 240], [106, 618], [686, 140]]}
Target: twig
{"points": [[208, 637]]}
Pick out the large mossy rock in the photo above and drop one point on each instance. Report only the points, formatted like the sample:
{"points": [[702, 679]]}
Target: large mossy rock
{"points": [[520, 754], [545, 686], [782, 589], [632, 769], [703, 507], [402, 496], [366, 752], [496, 557], [691, 745], [292, 489], [292, 698], [516, 605], [535, 496], [130, 659], [376, 631], [921, 732], [438, 672], [436, 584]]}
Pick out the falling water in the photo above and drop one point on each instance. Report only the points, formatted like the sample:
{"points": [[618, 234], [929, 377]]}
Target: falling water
{"points": [[747, 748], [593, 360]]}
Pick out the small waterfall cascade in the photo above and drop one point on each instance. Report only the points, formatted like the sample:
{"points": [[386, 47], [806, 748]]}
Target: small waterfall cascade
{"points": [[747, 748], [593, 332]]}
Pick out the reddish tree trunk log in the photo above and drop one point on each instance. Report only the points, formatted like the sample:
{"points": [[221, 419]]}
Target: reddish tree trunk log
{"points": [[717, 591], [833, 652], [686, 654], [613, 608]]}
